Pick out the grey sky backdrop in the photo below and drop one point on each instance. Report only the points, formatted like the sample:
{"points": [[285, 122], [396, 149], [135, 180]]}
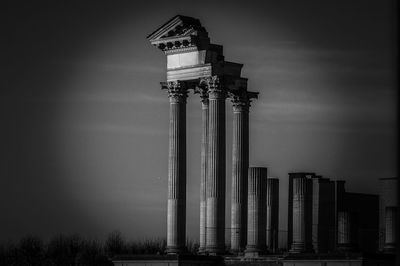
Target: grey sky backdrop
{"points": [[85, 124]]}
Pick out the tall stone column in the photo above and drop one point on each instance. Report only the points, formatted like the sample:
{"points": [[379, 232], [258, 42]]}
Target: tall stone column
{"points": [[390, 229], [215, 231], [203, 174], [176, 221], [257, 196], [272, 213], [299, 215], [240, 165]]}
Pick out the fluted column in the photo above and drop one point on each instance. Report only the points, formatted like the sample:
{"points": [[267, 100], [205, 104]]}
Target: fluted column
{"points": [[215, 228], [344, 236], [203, 174], [240, 165], [257, 197], [272, 213], [390, 229], [347, 231], [176, 221], [299, 215]]}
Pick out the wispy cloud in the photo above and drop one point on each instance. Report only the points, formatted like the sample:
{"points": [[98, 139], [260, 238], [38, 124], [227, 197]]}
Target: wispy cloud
{"points": [[125, 129], [132, 67]]}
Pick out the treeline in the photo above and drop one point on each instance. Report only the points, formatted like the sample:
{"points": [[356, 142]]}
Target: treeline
{"points": [[75, 250]]}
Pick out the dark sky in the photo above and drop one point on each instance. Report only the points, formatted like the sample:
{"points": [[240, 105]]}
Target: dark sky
{"points": [[85, 124]]}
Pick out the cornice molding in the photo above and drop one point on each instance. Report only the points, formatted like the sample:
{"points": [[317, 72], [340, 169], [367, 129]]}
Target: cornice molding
{"points": [[179, 32]]}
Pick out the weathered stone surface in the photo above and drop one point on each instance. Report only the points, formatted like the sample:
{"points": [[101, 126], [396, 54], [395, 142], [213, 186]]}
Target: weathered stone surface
{"points": [[302, 214], [290, 203], [347, 230], [323, 214], [240, 164], [176, 213], [272, 214], [203, 174], [391, 227], [257, 197], [388, 198], [216, 168]]}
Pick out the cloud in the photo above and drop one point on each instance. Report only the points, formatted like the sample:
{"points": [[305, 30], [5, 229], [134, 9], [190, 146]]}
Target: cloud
{"points": [[132, 67], [126, 129]]}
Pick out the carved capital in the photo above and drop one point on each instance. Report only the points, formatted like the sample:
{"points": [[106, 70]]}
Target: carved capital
{"points": [[241, 100], [215, 87], [177, 91], [240, 104], [204, 97], [202, 89]]}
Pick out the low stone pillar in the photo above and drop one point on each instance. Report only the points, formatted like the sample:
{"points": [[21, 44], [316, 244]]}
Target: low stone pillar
{"points": [[302, 218], [347, 231], [299, 190], [272, 213], [390, 229], [257, 197]]}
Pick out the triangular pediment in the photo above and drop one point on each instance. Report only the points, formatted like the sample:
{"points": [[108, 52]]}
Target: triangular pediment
{"points": [[178, 26], [180, 31]]}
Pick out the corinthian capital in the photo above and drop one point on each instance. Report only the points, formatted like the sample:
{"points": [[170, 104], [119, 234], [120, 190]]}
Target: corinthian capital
{"points": [[177, 91], [202, 89], [215, 87], [241, 100], [240, 104]]}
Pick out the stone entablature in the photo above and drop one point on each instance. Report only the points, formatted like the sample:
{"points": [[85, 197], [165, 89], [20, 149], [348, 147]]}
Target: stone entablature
{"points": [[190, 55]]}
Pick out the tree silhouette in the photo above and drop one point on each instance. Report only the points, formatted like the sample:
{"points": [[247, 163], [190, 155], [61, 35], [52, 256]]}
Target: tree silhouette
{"points": [[115, 244]]}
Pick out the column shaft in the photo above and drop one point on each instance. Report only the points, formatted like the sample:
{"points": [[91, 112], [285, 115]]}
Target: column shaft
{"points": [[272, 213], [299, 209], [347, 231], [215, 231], [176, 221], [343, 237], [257, 197], [240, 164], [203, 174], [390, 229]]}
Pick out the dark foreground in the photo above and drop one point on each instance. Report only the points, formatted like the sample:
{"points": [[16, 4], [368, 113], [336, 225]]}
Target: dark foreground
{"points": [[270, 260]]}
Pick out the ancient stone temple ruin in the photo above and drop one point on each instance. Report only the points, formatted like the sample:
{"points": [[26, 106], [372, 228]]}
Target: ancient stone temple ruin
{"points": [[197, 65], [326, 224]]}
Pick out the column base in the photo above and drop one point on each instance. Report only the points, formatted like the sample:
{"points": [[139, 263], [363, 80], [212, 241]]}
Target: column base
{"points": [[236, 251], [176, 250], [297, 248], [215, 251], [254, 251], [389, 248], [202, 250], [346, 247]]}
